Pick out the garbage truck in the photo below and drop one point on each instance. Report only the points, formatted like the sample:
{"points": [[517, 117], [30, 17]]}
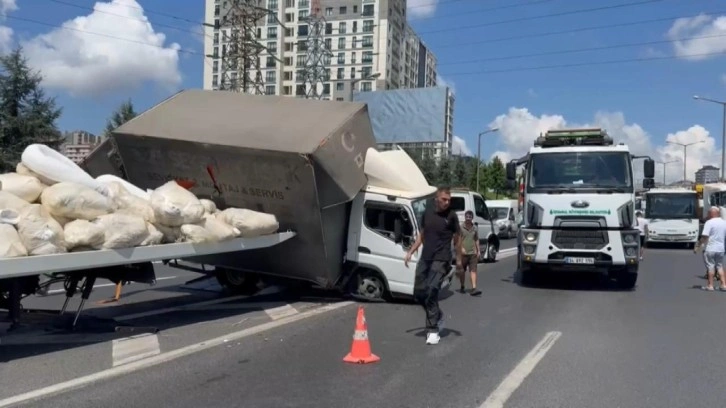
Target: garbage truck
{"points": [[313, 164], [579, 206]]}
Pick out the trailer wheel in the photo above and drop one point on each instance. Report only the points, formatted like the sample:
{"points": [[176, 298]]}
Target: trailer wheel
{"points": [[490, 254], [368, 285], [237, 282]]}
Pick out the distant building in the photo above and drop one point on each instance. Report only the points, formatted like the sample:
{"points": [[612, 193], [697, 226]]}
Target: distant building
{"points": [[708, 174], [78, 144]]}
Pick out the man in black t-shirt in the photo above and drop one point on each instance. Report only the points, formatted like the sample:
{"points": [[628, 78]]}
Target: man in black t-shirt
{"points": [[439, 227]]}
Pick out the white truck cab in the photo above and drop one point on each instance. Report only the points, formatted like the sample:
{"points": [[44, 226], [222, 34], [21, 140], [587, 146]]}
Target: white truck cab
{"points": [[672, 215], [579, 206]]}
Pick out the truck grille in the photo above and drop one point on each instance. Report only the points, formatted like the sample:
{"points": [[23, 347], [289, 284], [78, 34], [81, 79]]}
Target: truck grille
{"points": [[579, 238]]}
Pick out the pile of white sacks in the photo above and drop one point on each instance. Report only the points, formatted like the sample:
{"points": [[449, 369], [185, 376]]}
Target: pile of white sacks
{"points": [[50, 206]]}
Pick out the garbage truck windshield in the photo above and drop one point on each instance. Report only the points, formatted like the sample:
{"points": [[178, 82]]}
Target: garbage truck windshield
{"points": [[595, 171], [671, 205]]}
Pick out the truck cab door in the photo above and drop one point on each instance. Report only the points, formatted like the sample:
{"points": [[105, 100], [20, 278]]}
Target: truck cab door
{"points": [[388, 233]]}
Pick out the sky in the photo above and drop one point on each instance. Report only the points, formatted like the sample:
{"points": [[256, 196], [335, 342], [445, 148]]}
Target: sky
{"points": [[522, 66]]}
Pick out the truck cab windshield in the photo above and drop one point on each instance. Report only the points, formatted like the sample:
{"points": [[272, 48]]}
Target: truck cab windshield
{"points": [[671, 206], [579, 171]]}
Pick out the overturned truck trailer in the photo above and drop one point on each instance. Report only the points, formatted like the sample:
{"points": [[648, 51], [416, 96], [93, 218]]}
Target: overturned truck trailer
{"points": [[302, 160]]}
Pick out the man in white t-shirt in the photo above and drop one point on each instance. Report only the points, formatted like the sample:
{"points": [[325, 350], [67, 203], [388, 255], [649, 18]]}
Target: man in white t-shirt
{"points": [[713, 237], [643, 227]]}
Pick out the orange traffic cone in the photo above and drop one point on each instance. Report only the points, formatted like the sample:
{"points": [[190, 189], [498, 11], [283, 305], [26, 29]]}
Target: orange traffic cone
{"points": [[360, 351]]}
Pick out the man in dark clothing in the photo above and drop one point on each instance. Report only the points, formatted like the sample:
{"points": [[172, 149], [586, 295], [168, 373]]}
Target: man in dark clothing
{"points": [[439, 228]]}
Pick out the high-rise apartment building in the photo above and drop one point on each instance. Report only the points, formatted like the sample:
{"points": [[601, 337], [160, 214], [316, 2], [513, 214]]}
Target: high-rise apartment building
{"points": [[78, 144], [708, 174], [371, 47]]}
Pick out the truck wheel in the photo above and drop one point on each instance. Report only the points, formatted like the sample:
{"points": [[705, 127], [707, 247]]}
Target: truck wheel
{"points": [[626, 280], [490, 254], [237, 282], [528, 276], [510, 233], [368, 285]]}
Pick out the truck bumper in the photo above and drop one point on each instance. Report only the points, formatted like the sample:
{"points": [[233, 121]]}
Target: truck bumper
{"points": [[587, 251]]}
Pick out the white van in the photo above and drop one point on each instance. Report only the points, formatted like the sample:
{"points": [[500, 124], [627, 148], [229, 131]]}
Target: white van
{"points": [[504, 214]]}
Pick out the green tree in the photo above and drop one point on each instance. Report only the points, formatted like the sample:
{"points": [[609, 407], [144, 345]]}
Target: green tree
{"points": [[27, 115], [444, 173], [460, 172], [428, 167], [123, 114], [497, 175]]}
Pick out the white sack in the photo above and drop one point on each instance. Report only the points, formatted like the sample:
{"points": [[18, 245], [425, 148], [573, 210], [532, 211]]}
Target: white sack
{"points": [[39, 232], [250, 223], [52, 165], [175, 206], [155, 236], [171, 234], [132, 189], [197, 234], [11, 202], [26, 187], [25, 171], [122, 230], [127, 202], [82, 233], [75, 201], [209, 206], [220, 230], [9, 217], [10, 244]]}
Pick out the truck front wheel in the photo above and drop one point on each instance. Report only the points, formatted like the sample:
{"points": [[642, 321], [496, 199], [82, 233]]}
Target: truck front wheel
{"points": [[626, 280], [368, 284], [237, 282]]}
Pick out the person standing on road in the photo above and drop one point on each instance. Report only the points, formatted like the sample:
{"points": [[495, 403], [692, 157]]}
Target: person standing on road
{"points": [[439, 228], [643, 227], [713, 237], [469, 253]]}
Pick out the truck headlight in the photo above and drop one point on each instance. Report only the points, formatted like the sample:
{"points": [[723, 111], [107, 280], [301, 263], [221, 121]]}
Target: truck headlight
{"points": [[629, 238], [529, 249], [630, 251], [530, 236]]}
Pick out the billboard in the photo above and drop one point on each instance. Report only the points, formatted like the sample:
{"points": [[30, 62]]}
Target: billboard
{"points": [[407, 115]]}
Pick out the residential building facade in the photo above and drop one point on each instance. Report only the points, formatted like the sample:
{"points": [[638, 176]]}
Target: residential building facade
{"points": [[708, 174], [78, 144], [371, 47]]}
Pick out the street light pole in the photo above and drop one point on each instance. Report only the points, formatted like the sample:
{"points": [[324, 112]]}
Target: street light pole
{"points": [[664, 168], [478, 153], [685, 146], [355, 81], [723, 131]]}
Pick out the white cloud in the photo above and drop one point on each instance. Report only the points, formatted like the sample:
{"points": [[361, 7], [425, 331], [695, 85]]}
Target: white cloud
{"points": [[86, 64], [531, 93], [459, 147], [421, 8], [713, 29], [518, 129], [440, 81], [6, 33]]}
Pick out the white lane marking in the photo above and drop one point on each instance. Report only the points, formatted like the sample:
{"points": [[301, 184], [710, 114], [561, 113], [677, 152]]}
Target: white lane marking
{"points": [[164, 357], [135, 348], [525, 367], [105, 285], [277, 313]]}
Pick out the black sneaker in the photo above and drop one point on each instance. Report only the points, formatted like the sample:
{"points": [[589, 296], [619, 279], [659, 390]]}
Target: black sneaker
{"points": [[462, 290], [475, 292]]}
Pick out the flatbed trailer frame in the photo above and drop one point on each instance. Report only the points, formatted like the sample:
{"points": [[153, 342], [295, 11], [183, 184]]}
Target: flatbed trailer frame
{"points": [[17, 273]]}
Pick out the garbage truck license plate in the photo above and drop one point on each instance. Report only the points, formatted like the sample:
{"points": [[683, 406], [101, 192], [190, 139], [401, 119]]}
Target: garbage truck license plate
{"points": [[579, 261]]}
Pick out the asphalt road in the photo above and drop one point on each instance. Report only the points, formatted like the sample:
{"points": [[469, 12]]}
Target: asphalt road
{"points": [[574, 342]]}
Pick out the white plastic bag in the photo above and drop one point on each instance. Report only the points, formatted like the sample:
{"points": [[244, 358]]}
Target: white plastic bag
{"points": [[39, 232], [11, 202], [250, 223], [130, 188], [26, 187], [129, 203], [122, 230], [54, 166], [82, 233], [209, 206], [75, 201], [197, 234], [171, 234], [10, 244], [175, 206], [155, 236], [219, 229], [20, 168]]}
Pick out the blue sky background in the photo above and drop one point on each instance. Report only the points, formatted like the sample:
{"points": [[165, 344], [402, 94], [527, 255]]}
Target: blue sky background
{"points": [[641, 103]]}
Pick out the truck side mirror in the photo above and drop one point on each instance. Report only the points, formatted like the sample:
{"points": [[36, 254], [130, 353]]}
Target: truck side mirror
{"points": [[397, 231], [649, 168], [511, 171], [648, 183], [511, 185]]}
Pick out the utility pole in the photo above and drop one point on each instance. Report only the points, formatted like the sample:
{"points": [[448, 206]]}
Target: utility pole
{"points": [[478, 153], [315, 72], [685, 146], [723, 132], [240, 68], [664, 168]]}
